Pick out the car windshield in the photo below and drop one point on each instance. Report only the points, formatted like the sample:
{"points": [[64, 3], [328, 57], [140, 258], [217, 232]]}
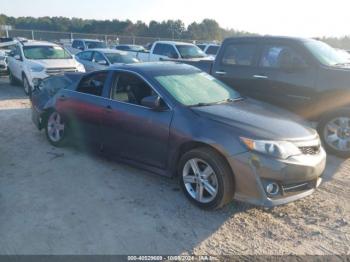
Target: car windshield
{"points": [[115, 58], [45, 52], [326, 54], [190, 51], [95, 44], [197, 89]]}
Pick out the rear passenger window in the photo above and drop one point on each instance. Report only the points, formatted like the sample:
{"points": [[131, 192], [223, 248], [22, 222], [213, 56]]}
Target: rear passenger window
{"points": [[93, 84], [239, 54]]}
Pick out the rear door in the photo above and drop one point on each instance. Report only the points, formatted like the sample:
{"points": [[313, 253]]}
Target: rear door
{"points": [[288, 75], [133, 131], [84, 107], [236, 65]]}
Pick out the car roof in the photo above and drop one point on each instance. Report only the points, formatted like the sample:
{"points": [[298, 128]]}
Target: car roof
{"points": [[38, 43], [157, 68], [107, 50], [89, 40], [269, 38], [173, 43]]}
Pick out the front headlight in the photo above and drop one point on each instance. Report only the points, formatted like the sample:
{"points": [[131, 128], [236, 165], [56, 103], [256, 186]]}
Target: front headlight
{"points": [[36, 69], [80, 68], [278, 149]]}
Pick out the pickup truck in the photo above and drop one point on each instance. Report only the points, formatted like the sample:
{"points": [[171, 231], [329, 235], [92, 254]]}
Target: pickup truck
{"points": [[79, 45], [172, 51], [305, 76]]}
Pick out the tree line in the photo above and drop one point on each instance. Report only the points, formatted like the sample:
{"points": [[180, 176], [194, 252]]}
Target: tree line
{"points": [[208, 29]]}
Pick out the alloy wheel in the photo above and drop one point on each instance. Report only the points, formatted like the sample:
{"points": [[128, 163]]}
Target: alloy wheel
{"points": [[337, 133], [26, 85], [200, 180], [55, 127]]}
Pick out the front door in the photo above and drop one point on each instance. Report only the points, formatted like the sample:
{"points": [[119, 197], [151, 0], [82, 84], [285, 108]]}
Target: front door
{"points": [[133, 131], [289, 77]]}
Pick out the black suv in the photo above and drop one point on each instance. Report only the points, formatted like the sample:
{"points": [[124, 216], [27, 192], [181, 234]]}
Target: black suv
{"points": [[305, 76]]}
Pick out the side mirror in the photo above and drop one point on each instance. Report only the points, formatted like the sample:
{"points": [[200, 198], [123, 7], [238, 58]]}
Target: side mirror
{"points": [[102, 62], [153, 102], [17, 57]]}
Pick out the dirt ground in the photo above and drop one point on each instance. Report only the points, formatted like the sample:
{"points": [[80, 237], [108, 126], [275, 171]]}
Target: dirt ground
{"points": [[66, 201]]}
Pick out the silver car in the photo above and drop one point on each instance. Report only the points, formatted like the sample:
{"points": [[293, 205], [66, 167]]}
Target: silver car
{"points": [[3, 62], [99, 59]]}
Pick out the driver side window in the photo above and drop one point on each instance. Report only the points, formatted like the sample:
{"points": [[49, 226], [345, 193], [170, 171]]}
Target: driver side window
{"points": [[129, 88], [280, 56], [93, 84], [99, 58]]}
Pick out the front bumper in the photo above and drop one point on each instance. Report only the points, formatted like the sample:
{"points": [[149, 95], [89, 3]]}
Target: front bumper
{"points": [[297, 177]]}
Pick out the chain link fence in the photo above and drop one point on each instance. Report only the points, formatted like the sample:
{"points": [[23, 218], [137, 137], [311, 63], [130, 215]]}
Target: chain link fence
{"points": [[64, 37]]}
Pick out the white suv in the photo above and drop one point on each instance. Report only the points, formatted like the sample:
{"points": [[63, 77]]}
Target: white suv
{"points": [[32, 61]]}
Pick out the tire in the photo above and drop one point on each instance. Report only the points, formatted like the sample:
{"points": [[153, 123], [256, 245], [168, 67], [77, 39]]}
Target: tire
{"points": [[13, 80], [334, 130], [26, 86], [56, 129], [221, 179]]}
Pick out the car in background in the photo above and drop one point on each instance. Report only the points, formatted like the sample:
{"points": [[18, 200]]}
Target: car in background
{"points": [[176, 120], [79, 45], [131, 48], [99, 59], [3, 63], [171, 51], [32, 61], [209, 49], [303, 75]]}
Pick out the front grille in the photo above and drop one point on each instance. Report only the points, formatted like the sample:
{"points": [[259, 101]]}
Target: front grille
{"points": [[60, 70], [310, 150]]}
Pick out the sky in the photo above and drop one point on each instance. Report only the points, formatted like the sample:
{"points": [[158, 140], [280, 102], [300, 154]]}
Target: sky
{"points": [[306, 18]]}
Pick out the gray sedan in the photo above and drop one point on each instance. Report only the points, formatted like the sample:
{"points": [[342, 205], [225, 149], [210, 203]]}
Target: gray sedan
{"points": [[99, 59]]}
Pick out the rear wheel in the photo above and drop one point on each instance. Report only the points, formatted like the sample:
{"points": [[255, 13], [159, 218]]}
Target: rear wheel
{"points": [[205, 178], [56, 129], [334, 130]]}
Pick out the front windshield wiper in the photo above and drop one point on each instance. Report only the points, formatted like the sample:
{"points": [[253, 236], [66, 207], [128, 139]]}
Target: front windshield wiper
{"points": [[228, 100], [342, 64]]}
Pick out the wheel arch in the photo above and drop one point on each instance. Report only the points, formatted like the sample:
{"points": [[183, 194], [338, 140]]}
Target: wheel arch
{"points": [[190, 145]]}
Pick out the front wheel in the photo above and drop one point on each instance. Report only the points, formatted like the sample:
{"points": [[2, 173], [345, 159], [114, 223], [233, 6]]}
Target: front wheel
{"points": [[12, 79], [56, 129], [334, 130], [205, 178], [26, 86]]}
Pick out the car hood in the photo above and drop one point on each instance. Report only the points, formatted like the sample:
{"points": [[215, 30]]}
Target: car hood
{"points": [[56, 63], [258, 120]]}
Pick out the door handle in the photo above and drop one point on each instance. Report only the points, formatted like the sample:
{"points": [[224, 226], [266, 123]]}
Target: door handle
{"points": [[221, 73], [108, 109], [260, 77]]}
